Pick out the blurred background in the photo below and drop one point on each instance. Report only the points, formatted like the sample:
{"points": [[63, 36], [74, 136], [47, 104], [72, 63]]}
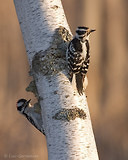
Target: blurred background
{"points": [[108, 79]]}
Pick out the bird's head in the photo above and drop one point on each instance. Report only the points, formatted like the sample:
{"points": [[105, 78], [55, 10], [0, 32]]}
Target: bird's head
{"points": [[83, 33], [22, 104]]}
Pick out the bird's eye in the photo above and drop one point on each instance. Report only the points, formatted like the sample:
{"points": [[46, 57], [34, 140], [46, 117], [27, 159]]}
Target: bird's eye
{"points": [[80, 32], [19, 108]]}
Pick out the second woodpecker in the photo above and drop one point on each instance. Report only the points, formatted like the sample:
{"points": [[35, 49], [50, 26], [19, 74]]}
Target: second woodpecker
{"points": [[78, 56], [24, 107]]}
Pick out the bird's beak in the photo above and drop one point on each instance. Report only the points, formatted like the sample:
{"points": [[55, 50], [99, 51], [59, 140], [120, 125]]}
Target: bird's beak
{"points": [[91, 30], [28, 101]]}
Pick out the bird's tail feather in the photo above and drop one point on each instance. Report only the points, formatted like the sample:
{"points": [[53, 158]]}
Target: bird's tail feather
{"points": [[79, 83]]}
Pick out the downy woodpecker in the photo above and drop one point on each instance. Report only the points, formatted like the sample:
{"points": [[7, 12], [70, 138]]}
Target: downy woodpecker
{"points": [[25, 108], [78, 56]]}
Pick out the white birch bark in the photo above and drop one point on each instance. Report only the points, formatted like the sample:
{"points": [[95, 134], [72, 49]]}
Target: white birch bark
{"points": [[65, 114]]}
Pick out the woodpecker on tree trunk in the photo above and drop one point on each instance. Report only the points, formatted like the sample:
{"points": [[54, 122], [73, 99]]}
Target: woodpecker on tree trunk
{"points": [[27, 110], [78, 56]]}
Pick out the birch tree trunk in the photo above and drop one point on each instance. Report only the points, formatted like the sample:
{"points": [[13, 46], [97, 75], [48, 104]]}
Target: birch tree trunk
{"points": [[65, 114]]}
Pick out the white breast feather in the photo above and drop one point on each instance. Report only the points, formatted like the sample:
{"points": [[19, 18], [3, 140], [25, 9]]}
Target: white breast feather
{"points": [[84, 50]]}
